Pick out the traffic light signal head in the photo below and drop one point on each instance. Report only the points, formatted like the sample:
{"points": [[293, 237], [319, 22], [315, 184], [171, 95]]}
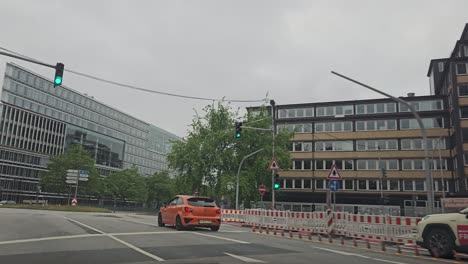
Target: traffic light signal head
{"points": [[58, 74], [276, 184], [384, 172], [238, 129]]}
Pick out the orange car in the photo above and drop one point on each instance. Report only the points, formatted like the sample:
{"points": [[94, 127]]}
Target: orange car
{"points": [[190, 211]]}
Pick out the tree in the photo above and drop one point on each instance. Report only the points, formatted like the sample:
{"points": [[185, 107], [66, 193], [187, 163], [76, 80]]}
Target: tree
{"points": [[127, 184], [75, 158], [160, 188], [208, 158]]}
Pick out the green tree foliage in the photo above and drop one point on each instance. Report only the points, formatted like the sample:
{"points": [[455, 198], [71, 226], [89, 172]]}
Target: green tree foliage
{"points": [[208, 158], [75, 158], [127, 184], [160, 188]]}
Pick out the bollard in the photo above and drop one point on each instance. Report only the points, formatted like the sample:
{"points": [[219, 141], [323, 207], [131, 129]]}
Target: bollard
{"points": [[310, 236], [383, 246], [416, 251], [290, 234], [354, 242], [319, 238], [253, 228], [368, 244], [274, 231], [398, 249], [260, 229], [330, 241], [282, 232], [300, 235], [267, 230], [342, 240]]}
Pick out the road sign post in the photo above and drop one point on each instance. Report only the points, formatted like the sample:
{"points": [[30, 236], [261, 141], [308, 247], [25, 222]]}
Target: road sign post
{"points": [[334, 178], [74, 177]]}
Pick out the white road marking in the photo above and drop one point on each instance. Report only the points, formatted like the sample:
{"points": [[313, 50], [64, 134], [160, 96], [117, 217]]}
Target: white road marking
{"points": [[150, 224], [145, 233], [120, 241], [358, 255], [245, 259], [139, 222], [47, 238], [223, 238]]}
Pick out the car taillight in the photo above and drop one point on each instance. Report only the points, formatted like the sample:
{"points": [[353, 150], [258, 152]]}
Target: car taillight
{"points": [[188, 209], [218, 211]]}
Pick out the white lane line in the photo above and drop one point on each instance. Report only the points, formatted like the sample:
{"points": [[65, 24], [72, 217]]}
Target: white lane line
{"points": [[245, 259], [120, 241], [145, 233], [358, 255], [139, 222], [223, 238], [47, 238]]}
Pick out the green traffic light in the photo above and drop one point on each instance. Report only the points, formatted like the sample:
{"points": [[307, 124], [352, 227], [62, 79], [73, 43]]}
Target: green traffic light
{"points": [[58, 80], [238, 135], [276, 185]]}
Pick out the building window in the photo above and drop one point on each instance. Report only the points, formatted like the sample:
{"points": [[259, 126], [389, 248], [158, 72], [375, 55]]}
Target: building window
{"points": [[301, 165], [416, 143], [428, 123], [320, 184], [413, 164], [373, 125], [334, 146], [340, 164], [374, 164], [462, 90], [333, 127], [297, 128], [335, 110], [464, 111], [299, 112], [373, 184], [461, 68], [348, 184], [388, 144], [408, 185], [428, 105], [364, 109], [420, 186], [362, 184], [301, 146], [307, 184]]}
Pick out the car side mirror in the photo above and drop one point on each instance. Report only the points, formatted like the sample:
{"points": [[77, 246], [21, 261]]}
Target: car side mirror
{"points": [[164, 204]]}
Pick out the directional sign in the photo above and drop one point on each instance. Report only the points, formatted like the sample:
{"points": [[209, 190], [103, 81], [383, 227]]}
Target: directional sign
{"points": [[72, 175], [84, 179], [274, 165], [334, 174], [71, 181], [333, 185], [73, 171], [262, 189], [74, 202], [84, 172]]}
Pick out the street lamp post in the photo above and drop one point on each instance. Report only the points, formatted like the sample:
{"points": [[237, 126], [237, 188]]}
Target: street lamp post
{"points": [[429, 180], [238, 172]]}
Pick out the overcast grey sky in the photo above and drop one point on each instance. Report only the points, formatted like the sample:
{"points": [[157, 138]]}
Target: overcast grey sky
{"points": [[234, 49]]}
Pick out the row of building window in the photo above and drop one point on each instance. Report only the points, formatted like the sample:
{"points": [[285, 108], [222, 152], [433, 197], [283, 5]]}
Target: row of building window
{"points": [[359, 109], [369, 125], [72, 96], [368, 145], [368, 164], [22, 158], [365, 184], [17, 171]]}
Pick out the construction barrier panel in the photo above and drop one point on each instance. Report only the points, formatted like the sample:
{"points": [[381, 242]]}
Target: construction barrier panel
{"points": [[379, 227]]}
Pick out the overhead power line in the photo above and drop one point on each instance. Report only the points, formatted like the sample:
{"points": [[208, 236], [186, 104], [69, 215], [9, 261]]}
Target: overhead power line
{"points": [[141, 88]]}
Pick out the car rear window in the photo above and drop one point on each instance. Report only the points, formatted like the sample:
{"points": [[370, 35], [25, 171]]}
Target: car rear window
{"points": [[201, 202]]}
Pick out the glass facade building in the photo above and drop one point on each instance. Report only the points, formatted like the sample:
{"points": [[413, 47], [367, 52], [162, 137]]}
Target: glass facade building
{"points": [[38, 120]]}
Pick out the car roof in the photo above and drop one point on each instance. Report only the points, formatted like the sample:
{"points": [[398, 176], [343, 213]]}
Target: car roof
{"points": [[193, 196]]}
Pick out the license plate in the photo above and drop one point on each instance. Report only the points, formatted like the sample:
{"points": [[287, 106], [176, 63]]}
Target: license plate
{"points": [[205, 221]]}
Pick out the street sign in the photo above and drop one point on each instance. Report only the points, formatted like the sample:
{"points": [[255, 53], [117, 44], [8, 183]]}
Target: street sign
{"points": [[333, 185], [274, 165], [84, 172], [71, 181], [262, 189], [84, 179], [73, 171], [334, 174], [74, 202], [72, 178], [72, 174]]}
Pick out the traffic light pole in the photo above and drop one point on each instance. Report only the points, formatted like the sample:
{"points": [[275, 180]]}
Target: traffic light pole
{"points": [[429, 179], [273, 130], [26, 59]]}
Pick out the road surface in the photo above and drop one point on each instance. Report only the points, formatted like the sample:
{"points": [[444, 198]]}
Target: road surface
{"points": [[33, 236]]}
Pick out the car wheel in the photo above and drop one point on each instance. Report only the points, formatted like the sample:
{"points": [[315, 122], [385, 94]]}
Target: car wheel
{"points": [[178, 224], [160, 222], [440, 243], [215, 228]]}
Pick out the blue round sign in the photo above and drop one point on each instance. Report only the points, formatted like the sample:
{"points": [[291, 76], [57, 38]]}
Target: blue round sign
{"points": [[333, 185]]}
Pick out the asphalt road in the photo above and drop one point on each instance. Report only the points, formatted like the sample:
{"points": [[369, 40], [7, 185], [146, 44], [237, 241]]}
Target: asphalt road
{"points": [[31, 236]]}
